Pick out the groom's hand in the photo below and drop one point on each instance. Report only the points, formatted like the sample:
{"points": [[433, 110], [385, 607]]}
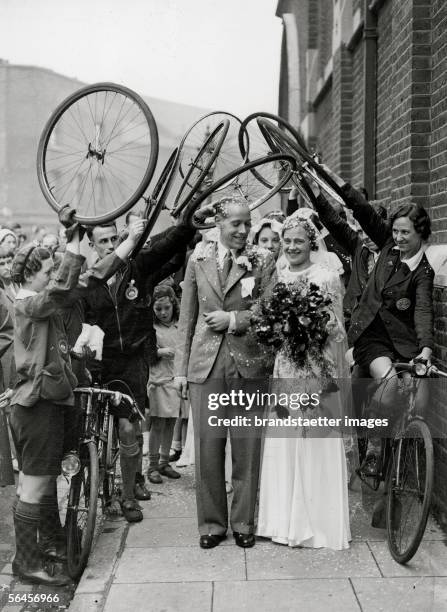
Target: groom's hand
{"points": [[181, 384], [218, 320]]}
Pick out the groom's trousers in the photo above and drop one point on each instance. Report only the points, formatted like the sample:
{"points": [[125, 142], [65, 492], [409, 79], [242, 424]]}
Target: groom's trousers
{"points": [[210, 442]]}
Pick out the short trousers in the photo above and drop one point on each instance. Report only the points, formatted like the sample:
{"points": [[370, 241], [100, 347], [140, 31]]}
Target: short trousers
{"points": [[133, 371], [375, 342], [42, 433]]}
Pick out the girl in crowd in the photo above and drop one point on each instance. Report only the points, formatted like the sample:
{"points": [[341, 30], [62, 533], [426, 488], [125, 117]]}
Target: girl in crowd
{"points": [[164, 400], [43, 416], [8, 240], [267, 234], [42, 402]]}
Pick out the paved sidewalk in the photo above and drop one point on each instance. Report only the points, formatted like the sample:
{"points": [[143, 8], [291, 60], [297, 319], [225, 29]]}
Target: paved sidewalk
{"points": [[157, 566]]}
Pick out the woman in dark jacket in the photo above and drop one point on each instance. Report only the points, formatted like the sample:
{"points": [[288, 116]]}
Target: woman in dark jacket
{"points": [[393, 320]]}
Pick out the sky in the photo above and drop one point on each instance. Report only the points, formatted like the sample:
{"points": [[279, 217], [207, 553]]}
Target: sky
{"points": [[215, 54]]}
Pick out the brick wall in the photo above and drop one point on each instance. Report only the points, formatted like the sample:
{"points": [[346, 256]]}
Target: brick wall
{"points": [[438, 141], [384, 120], [342, 112], [357, 116], [325, 141]]}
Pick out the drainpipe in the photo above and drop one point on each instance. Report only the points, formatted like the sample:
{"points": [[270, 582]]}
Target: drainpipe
{"points": [[370, 98]]}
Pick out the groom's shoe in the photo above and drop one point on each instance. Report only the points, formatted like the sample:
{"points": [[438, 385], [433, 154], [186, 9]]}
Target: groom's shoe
{"points": [[211, 540], [244, 540]]}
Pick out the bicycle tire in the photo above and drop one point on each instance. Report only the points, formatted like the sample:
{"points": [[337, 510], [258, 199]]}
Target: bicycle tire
{"points": [[416, 430], [135, 193], [155, 203], [285, 124], [244, 136], [219, 134], [166, 173], [305, 160], [226, 152], [111, 457], [79, 541], [229, 179]]}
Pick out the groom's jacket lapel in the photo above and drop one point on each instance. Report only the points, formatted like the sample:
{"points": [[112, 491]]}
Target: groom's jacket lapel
{"points": [[211, 271], [235, 275]]}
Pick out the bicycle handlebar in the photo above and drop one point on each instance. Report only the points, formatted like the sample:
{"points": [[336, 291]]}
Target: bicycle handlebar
{"points": [[419, 369], [116, 397]]}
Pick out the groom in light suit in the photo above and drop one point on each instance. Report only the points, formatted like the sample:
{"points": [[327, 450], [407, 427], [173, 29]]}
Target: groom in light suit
{"points": [[222, 281]]}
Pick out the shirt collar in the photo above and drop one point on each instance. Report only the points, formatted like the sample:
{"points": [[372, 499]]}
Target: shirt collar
{"points": [[413, 262], [222, 250], [24, 293]]}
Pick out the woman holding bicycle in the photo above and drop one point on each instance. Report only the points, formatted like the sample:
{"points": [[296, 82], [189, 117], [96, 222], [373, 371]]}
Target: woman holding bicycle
{"points": [[42, 402], [393, 320], [43, 417]]}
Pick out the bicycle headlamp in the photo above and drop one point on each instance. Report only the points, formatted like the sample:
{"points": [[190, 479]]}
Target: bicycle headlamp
{"points": [[70, 464], [420, 368]]}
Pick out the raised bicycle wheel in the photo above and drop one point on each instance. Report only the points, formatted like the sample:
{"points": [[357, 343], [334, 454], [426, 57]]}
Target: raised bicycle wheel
{"points": [[156, 202], [253, 143], [160, 189], [201, 167], [98, 152], [229, 157], [410, 489], [242, 183], [81, 511], [278, 140]]}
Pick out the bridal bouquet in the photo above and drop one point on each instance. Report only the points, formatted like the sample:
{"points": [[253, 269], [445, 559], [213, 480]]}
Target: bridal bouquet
{"points": [[294, 318]]}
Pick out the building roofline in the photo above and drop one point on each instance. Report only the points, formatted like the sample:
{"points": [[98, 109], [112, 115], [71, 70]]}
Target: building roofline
{"points": [[6, 64]]}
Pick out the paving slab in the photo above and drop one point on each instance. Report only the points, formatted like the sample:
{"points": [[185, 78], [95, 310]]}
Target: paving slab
{"points": [[180, 564], [160, 597], [285, 595], [401, 594], [429, 560], [170, 503], [101, 563], [360, 520], [273, 561], [166, 532], [87, 602]]}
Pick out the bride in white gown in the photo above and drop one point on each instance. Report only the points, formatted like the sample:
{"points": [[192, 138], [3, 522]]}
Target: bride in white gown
{"points": [[303, 499]]}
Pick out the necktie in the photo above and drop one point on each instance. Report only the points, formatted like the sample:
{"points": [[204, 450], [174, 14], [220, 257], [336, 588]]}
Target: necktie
{"points": [[227, 265]]}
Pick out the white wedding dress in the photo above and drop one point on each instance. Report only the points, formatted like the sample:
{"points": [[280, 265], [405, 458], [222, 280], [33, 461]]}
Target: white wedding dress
{"points": [[303, 497]]}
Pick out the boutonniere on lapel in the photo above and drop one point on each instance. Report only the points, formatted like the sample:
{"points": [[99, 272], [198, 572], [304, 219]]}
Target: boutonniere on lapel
{"points": [[244, 262], [252, 256]]}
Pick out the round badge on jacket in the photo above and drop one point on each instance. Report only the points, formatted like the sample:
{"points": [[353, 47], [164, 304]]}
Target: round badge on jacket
{"points": [[403, 304], [63, 346], [131, 291]]}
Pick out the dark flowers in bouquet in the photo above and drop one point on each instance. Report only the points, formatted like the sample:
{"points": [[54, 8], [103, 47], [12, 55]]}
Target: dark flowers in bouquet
{"points": [[293, 318]]}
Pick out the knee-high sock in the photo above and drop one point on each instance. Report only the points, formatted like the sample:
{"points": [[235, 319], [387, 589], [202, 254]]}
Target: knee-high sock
{"points": [[26, 524], [154, 443], [139, 475], [50, 527], [166, 440], [129, 465]]}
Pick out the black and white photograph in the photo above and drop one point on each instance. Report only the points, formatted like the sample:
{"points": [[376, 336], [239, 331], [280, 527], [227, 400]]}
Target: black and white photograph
{"points": [[223, 305]]}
